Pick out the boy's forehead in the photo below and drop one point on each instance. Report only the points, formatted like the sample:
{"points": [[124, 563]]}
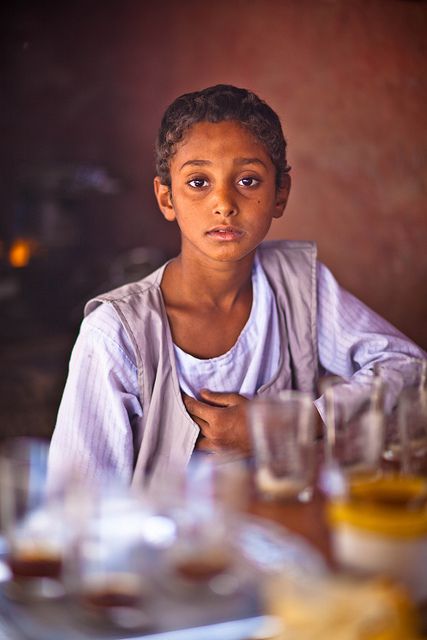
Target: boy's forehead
{"points": [[228, 136]]}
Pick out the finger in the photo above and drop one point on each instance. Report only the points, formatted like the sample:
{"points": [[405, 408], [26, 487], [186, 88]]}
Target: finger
{"points": [[220, 399], [200, 410], [204, 444], [202, 424], [192, 405]]}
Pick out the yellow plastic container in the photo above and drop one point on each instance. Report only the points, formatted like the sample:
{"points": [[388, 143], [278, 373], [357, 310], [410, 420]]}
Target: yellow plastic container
{"points": [[380, 528]]}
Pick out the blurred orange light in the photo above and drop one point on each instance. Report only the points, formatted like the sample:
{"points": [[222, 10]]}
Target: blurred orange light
{"points": [[20, 253]]}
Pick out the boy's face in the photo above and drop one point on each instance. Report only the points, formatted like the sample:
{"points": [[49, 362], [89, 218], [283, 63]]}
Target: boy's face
{"points": [[223, 193]]}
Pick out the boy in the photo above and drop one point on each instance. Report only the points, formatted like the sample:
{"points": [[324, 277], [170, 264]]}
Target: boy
{"points": [[167, 364]]}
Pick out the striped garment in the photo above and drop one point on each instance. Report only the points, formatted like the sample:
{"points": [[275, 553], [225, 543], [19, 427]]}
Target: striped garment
{"points": [[100, 403]]}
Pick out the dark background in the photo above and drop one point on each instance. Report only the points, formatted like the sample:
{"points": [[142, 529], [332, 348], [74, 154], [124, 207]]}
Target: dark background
{"points": [[83, 86]]}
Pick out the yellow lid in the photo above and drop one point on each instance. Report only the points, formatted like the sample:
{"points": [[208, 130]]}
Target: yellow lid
{"points": [[391, 505]]}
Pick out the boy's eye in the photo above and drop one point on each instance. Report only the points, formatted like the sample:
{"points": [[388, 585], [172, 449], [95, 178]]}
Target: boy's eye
{"points": [[198, 183], [249, 181]]}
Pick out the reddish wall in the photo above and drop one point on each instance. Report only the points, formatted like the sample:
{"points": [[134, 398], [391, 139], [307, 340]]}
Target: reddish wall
{"points": [[89, 83]]}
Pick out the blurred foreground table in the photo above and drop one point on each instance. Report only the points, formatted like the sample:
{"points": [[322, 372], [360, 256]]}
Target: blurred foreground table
{"points": [[245, 620], [304, 519]]}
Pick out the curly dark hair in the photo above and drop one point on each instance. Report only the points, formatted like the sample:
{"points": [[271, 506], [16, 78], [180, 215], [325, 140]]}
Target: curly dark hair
{"points": [[216, 104]]}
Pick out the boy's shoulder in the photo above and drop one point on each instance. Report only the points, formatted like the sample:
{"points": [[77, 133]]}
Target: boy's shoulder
{"points": [[286, 261], [287, 247], [125, 293]]}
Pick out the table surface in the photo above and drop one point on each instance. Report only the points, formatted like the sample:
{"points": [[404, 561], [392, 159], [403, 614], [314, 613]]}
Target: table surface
{"points": [[306, 520]]}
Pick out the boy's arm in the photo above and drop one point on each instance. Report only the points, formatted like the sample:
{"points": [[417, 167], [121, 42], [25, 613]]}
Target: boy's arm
{"points": [[92, 440], [352, 338]]}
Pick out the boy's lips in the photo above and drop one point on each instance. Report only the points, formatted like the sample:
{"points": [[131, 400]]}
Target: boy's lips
{"points": [[225, 233]]}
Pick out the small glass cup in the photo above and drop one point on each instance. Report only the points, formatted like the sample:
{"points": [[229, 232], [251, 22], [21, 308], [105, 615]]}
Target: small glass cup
{"points": [[32, 519], [105, 571], [201, 555], [359, 441], [196, 556], [409, 442], [218, 481], [282, 429], [406, 427]]}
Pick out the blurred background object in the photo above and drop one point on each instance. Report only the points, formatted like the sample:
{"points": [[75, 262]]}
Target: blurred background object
{"points": [[83, 89]]}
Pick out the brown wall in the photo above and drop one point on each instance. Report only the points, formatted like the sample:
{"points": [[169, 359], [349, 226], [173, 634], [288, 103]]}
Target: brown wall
{"points": [[88, 83]]}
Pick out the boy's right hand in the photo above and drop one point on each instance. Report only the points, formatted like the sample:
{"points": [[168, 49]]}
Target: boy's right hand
{"points": [[222, 420]]}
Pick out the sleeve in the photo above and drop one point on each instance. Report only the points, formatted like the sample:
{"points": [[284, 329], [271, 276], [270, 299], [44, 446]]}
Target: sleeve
{"points": [[93, 435], [352, 339]]}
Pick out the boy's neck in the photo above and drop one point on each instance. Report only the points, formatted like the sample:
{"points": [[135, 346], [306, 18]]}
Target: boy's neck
{"points": [[207, 304], [218, 286]]}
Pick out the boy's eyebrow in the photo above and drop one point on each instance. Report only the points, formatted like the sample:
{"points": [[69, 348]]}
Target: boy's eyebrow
{"points": [[241, 161], [198, 163], [250, 161]]}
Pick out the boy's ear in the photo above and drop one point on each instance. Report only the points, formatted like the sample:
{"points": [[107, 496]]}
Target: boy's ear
{"points": [[282, 196], [164, 199]]}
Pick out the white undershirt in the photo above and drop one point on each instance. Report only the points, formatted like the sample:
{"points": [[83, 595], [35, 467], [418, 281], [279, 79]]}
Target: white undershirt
{"points": [[251, 362]]}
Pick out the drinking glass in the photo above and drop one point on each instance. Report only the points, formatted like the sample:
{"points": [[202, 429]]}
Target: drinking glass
{"points": [[406, 428], [197, 509], [31, 519], [201, 558], [408, 443], [218, 481], [106, 571], [354, 439], [282, 429]]}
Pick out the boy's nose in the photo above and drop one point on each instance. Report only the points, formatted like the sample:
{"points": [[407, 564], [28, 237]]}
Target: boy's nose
{"points": [[225, 203]]}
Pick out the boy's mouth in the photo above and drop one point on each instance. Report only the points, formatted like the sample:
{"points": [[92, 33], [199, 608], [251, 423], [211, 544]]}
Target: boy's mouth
{"points": [[225, 233]]}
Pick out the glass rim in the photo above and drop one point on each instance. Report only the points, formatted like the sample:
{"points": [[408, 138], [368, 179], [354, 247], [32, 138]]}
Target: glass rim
{"points": [[281, 397]]}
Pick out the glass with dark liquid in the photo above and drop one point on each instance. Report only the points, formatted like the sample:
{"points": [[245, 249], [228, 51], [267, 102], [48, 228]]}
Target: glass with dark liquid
{"points": [[201, 554], [37, 563], [106, 574], [32, 522], [112, 591], [202, 567]]}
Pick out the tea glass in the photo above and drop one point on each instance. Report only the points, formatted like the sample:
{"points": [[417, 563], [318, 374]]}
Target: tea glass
{"points": [[219, 480], [196, 555], [31, 518], [407, 436], [283, 434], [354, 439], [106, 570], [406, 427], [201, 559]]}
